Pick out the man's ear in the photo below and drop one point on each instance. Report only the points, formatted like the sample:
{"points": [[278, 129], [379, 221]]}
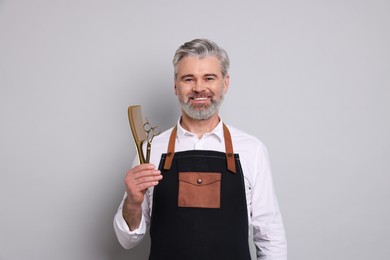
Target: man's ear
{"points": [[226, 83], [175, 89]]}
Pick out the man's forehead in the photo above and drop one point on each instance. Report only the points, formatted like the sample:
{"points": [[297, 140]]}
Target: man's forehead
{"points": [[199, 65]]}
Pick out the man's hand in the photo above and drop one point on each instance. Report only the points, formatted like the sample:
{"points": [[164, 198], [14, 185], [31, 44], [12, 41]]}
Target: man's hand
{"points": [[137, 182]]}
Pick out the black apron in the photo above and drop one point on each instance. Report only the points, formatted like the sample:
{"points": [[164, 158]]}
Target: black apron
{"points": [[199, 207]]}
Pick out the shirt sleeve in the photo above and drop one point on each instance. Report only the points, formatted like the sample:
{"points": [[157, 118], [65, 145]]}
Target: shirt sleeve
{"points": [[268, 230], [129, 239]]}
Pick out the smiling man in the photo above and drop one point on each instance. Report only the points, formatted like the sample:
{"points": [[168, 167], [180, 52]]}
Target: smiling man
{"points": [[200, 87], [213, 181]]}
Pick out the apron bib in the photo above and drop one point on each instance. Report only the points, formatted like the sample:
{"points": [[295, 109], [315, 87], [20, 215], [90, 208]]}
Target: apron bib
{"points": [[199, 208]]}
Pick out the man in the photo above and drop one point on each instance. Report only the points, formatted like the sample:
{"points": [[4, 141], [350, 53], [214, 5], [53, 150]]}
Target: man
{"points": [[212, 182]]}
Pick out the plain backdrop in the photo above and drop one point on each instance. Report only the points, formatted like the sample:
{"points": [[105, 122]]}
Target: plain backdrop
{"points": [[309, 78]]}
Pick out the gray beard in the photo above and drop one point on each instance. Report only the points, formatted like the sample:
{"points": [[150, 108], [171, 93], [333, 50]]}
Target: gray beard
{"points": [[201, 113]]}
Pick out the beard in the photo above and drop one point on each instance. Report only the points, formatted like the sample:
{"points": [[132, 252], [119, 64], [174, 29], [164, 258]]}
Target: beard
{"points": [[201, 112]]}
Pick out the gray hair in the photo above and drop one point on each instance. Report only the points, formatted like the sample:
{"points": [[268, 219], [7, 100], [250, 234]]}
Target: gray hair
{"points": [[202, 48]]}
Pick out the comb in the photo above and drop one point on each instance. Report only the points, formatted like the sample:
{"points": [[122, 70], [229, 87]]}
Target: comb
{"points": [[137, 129]]}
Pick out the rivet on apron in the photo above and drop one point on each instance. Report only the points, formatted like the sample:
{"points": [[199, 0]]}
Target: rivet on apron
{"points": [[199, 181]]}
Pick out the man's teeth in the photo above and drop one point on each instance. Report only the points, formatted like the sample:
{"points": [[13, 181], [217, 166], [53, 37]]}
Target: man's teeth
{"points": [[201, 98]]}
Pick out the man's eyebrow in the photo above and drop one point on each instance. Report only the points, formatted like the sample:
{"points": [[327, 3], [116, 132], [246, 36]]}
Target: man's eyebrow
{"points": [[211, 75], [205, 75], [186, 76]]}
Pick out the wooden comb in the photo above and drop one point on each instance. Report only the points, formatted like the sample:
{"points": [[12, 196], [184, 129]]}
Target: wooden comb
{"points": [[137, 129]]}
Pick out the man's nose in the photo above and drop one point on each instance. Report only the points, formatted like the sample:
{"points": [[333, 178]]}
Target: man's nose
{"points": [[198, 86]]}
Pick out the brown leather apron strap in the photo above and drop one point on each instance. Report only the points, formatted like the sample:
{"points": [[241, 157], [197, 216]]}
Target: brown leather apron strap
{"points": [[171, 149], [231, 164]]}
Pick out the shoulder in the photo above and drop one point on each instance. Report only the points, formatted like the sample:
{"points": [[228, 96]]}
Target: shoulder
{"points": [[244, 140], [252, 152], [242, 137]]}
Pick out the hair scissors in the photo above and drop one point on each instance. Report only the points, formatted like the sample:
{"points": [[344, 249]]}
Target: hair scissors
{"points": [[151, 132]]}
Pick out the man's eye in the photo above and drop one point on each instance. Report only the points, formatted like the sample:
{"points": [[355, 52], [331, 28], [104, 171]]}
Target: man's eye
{"points": [[188, 79], [209, 78]]}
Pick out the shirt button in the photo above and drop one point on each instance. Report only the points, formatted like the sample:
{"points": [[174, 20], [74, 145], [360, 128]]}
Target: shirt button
{"points": [[199, 181]]}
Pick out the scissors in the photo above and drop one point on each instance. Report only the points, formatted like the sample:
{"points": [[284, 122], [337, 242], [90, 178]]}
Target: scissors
{"points": [[151, 132]]}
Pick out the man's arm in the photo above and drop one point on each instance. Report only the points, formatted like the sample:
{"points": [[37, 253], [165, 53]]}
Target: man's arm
{"points": [[137, 181], [129, 223], [132, 215], [129, 239], [268, 230]]}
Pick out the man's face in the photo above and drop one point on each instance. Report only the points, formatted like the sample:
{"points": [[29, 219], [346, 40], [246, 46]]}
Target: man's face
{"points": [[200, 86]]}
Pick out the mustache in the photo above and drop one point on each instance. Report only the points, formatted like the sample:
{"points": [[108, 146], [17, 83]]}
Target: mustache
{"points": [[201, 95]]}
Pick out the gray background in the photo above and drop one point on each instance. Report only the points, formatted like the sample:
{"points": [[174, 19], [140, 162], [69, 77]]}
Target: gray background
{"points": [[309, 78]]}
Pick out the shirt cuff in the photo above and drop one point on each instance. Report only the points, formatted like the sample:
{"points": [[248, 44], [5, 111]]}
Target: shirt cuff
{"points": [[122, 225]]}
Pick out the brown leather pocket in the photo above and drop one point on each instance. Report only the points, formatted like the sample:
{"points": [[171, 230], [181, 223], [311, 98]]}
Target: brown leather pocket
{"points": [[199, 190]]}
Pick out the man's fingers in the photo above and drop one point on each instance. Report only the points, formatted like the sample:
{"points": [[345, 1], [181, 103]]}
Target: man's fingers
{"points": [[139, 179], [146, 174], [148, 178], [142, 177], [146, 185], [147, 181], [143, 167]]}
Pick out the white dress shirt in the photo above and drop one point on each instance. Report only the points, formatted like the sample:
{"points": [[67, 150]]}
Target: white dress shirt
{"points": [[263, 210]]}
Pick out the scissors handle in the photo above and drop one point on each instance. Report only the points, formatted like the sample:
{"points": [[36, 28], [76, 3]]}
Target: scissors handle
{"points": [[150, 132], [148, 149]]}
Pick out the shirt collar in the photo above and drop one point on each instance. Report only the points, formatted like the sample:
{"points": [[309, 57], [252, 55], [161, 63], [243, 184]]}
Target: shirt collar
{"points": [[217, 131]]}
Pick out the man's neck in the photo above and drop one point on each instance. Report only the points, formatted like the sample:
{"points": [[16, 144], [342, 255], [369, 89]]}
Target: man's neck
{"points": [[199, 127]]}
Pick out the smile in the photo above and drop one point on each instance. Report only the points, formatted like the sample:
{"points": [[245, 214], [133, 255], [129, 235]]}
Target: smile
{"points": [[200, 98]]}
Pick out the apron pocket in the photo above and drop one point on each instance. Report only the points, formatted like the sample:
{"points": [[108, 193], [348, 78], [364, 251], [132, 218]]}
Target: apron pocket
{"points": [[199, 189]]}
